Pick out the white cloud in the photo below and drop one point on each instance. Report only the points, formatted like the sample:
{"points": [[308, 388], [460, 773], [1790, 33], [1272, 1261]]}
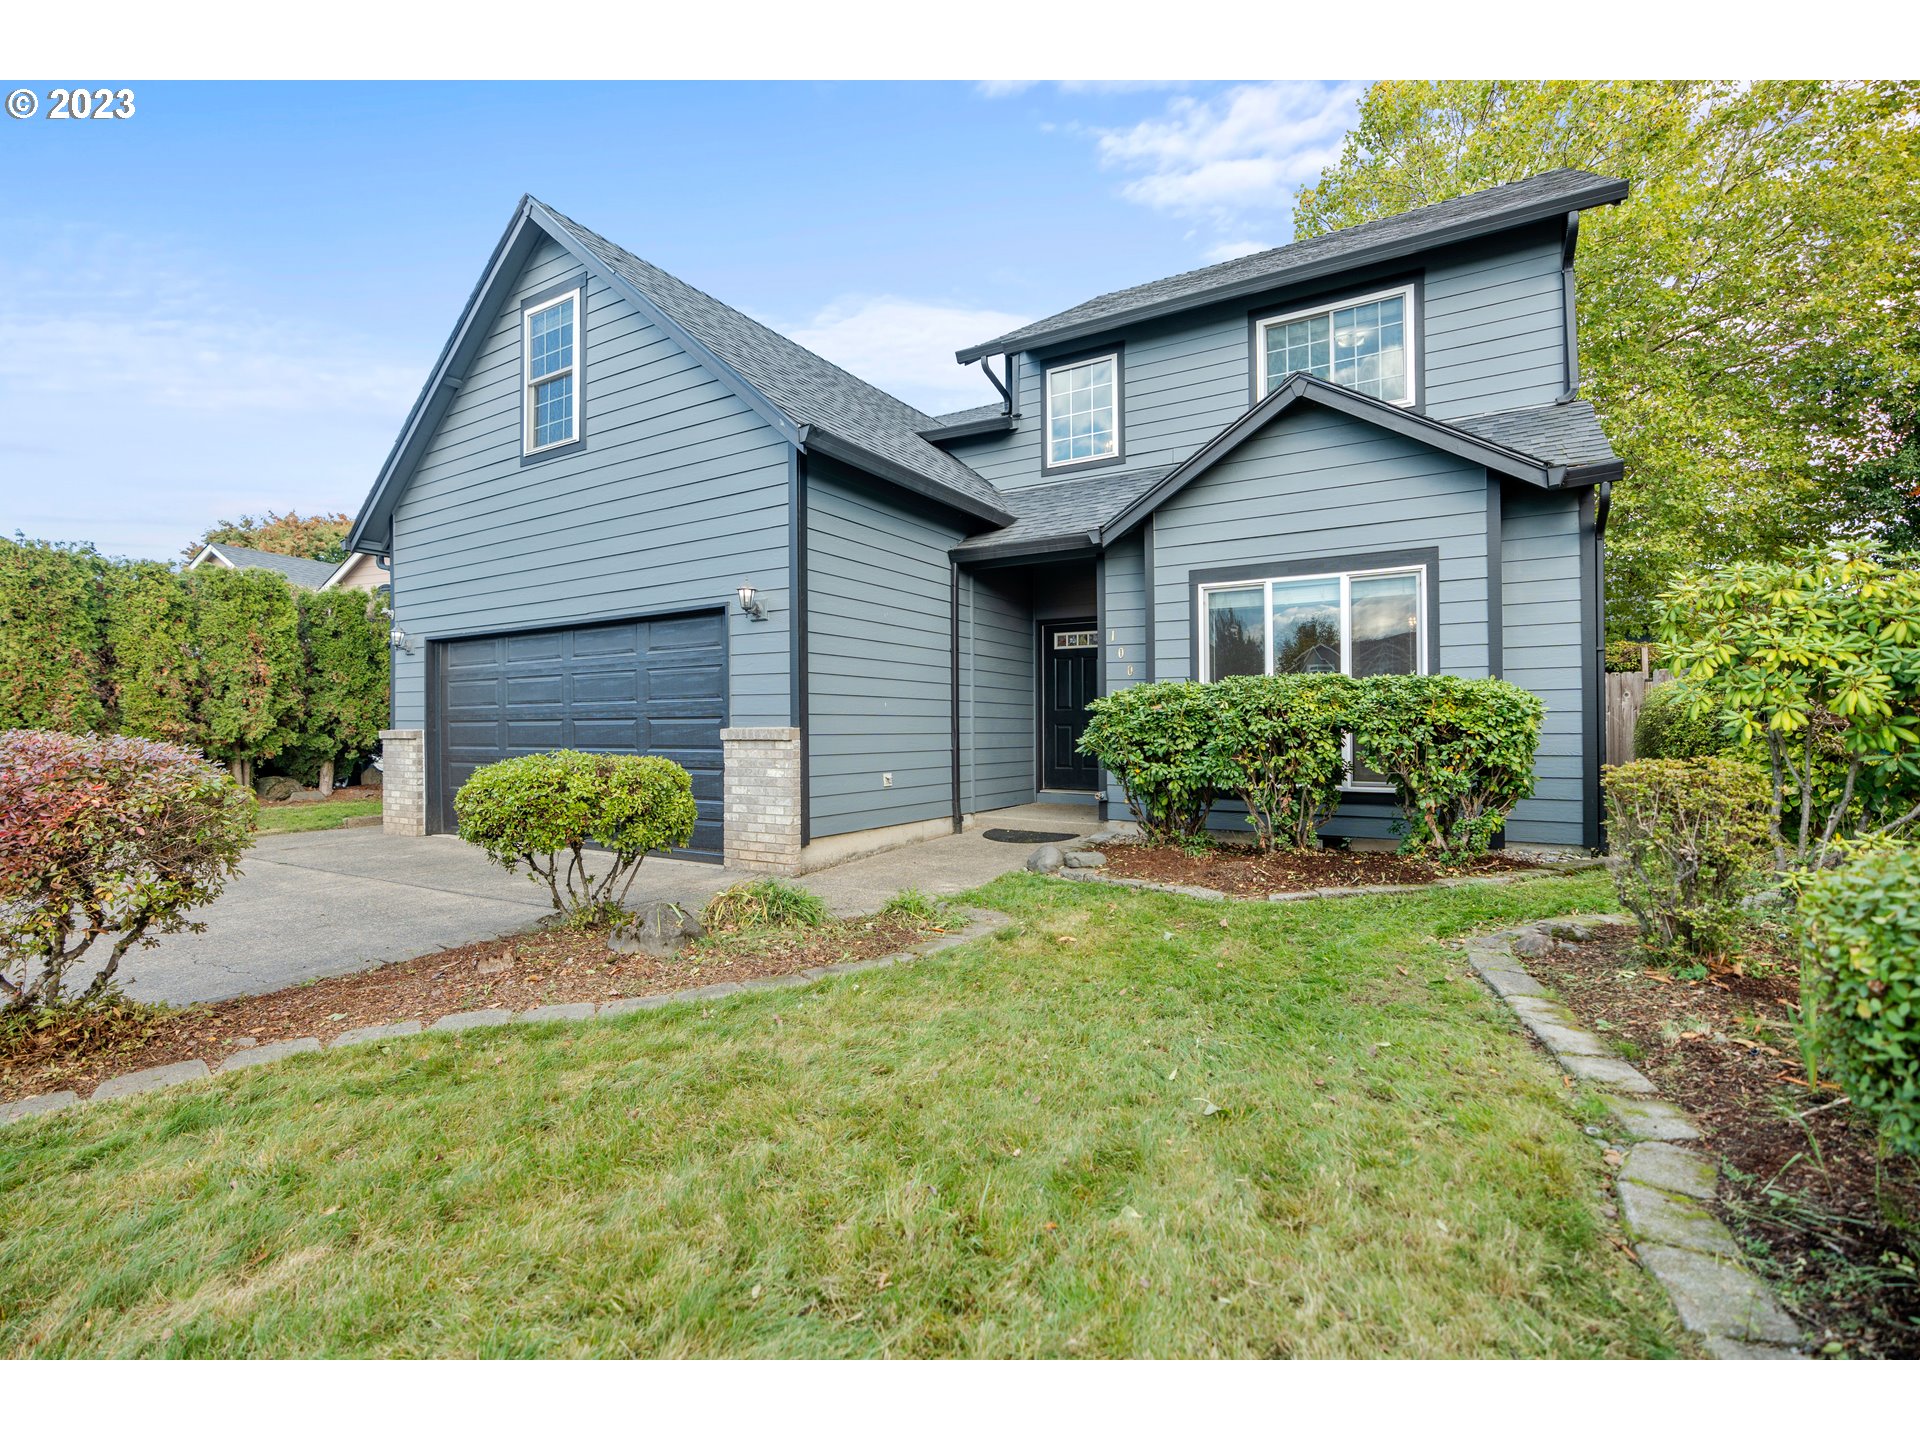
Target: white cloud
{"points": [[1234, 249], [1237, 154], [906, 346]]}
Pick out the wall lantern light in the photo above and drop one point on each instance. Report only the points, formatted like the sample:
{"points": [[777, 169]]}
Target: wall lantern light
{"points": [[400, 640], [750, 603]]}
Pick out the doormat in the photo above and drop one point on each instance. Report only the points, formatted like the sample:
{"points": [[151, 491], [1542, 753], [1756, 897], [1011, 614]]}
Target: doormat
{"points": [[1027, 837]]}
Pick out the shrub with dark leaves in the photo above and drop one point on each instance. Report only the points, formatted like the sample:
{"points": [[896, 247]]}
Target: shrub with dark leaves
{"points": [[1281, 746], [105, 841], [1157, 741]]}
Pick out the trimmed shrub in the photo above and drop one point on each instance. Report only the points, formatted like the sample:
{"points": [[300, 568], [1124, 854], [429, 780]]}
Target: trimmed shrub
{"points": [[343, 634], [153, 665], [1279, 744], [767, 904], [246, 630], [1672, 726], [1689, 838], [1623, 657], [1156, 740], [105, 840], [52, 612], [1860, 984], [542, 811], [1458, 753]]}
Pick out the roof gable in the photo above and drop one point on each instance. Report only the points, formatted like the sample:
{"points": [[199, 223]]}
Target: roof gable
{"points": [[307, 574], [1485, 212], [808, 400]]}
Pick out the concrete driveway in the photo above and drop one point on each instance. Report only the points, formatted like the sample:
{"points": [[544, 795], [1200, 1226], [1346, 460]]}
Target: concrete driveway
{"points": [[335, 901]]}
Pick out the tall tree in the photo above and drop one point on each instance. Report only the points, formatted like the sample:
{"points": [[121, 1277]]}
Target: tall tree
{"points": [[153, 669], [52, 612], [344, 634], [1743, 314], [311, 537], [247, 632]]}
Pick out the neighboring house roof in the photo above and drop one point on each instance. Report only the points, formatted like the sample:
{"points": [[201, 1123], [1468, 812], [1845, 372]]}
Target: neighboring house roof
{"points": [[345, 572], [1063, 515], [1521, 202], [1549, 471], [307, 574]]}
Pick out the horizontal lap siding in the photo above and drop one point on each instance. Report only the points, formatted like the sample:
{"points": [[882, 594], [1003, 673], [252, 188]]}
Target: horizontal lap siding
{"points": [[1493, 329], [1314, 484], [879, 657], [1544, 652], [680, 493], [997, 690]]}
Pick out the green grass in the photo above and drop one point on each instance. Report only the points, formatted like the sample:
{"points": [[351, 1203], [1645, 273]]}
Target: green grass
{"points": [[319, 815], [1132, 1124]]}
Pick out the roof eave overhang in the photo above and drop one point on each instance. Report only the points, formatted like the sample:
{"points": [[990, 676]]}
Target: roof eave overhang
{"points": [[1048, 547], [993, 425], [1302, 387], [812, 438], [1610, 193]]}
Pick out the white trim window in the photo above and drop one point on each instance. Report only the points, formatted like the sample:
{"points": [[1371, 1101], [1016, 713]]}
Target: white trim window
{"points": [[1358, 622], [1365, 344], [1083, 411], [550, 350]]}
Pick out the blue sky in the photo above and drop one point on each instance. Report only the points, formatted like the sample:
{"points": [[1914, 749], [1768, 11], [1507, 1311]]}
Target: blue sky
{"points": [[228, 302]]}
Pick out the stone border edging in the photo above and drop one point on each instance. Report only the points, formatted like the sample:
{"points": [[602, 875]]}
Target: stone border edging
{"points": [[1664, 1188], [980, 923]]}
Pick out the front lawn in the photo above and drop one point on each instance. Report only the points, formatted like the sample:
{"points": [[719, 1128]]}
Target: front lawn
{"points": [[312, 815], [1134, 1124]]}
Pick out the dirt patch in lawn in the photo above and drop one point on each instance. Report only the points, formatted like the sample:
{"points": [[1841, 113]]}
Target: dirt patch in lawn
{"points": [[1803, 1186], [314, 797], [519, 972], [1243, 870]]}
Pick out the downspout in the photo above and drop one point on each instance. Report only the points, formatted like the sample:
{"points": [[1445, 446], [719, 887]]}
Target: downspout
{"points": [[953, 682], [1602, 507], [1005, 387], [1569, 338]]}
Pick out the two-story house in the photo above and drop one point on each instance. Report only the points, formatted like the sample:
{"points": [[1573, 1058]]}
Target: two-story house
{"points": [[627, 517]]}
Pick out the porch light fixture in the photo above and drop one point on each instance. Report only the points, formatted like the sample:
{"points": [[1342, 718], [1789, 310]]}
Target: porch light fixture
{"points": [[750, 603], [400, 640]]}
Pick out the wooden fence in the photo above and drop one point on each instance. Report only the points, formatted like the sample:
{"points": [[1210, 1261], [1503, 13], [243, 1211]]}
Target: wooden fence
{"points": [[1626, 693]]}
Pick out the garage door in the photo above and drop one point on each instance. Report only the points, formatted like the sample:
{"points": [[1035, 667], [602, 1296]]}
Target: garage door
{"points": [[638, 687]]}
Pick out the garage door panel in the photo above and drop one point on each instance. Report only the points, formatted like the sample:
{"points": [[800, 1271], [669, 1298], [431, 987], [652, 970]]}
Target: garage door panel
{"points": [[634, 687]]}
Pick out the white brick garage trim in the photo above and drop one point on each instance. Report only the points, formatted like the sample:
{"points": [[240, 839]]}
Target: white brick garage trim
{"points": [[762, 810]]}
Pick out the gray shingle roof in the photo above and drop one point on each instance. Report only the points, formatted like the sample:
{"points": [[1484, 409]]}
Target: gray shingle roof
{"points": [[1064, 509], [307, 574], [967, 417], [804, 387], [1567, 434], [1483, 212]]}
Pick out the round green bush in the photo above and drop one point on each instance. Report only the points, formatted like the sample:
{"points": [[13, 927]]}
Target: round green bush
{"points": [[1667, 728], [1689, 839], [1280, 743], [1157, 741], [1860, 982], [532, 809]]}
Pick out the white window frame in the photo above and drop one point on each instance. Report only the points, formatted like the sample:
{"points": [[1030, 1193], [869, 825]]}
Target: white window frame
{"points": [[1346, 578], [528, 385], [1046, 413], [1405, 292]]}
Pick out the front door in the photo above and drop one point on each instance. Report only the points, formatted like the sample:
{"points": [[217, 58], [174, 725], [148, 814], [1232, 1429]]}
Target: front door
{"points": [[1069, 679]]}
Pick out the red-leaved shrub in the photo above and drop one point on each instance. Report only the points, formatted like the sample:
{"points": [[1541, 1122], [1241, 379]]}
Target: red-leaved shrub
{"points": [[108, 839]]}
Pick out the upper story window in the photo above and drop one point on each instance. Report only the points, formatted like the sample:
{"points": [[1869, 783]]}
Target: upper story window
{"points": [[1083, 411], [1365, 344], [551, 346]]}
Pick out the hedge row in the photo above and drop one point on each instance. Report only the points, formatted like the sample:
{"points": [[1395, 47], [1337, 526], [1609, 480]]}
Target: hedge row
{"points": [[234, 663], [1458, 754]]}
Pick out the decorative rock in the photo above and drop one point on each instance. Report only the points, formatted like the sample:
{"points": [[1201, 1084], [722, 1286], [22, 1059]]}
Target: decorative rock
{"points": [[1046, 860], [1721, 1348], [371, 778], [368, 1033], [1573, 931], [276, 787], [1605, 1070], [1668, 1167], [1531, 942], [1657, 1217], [1085, 859], [140, 1081], [658, 929], [541, 1013], [1649, 1119], [1719, 1297], [37, 1105], [472, 1020], [262, 1054]]}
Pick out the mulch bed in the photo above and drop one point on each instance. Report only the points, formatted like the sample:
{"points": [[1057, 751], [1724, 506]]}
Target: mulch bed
{"points": [[340, 792], [1243, 870], [519, 972], [1802, 1184]]}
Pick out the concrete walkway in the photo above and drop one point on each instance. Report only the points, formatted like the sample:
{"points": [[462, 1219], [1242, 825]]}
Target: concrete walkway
{"points": [[336, 901]]}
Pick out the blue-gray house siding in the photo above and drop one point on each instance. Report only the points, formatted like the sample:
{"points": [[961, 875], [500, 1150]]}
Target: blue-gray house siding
{"points": [[679, 492]]}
